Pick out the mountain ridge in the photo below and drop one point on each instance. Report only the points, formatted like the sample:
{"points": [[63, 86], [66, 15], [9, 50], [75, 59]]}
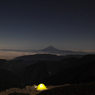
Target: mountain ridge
{"points": [[69, 70], [52, 49]]}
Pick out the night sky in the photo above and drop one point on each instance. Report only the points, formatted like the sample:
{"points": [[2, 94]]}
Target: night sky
{"points": [[36, 24]]}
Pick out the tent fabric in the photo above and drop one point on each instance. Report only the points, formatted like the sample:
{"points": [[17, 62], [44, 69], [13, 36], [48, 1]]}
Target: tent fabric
{"points": [[41, 87]]}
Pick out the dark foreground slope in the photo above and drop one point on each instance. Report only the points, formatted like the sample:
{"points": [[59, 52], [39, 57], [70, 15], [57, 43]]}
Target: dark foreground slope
{"points": [[75, 89], [9, 80], [19, 63], [15, 66], [70, 70], [66, 71], [85, 72], [44, 69]]}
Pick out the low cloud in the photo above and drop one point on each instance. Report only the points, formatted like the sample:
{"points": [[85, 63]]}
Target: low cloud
{"points": [[13, 54]]}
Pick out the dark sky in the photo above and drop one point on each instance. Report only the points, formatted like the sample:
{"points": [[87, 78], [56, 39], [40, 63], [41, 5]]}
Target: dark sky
{"points": [[36, 24]]}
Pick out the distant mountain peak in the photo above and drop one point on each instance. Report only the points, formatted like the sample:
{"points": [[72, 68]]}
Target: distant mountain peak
{"points": [[50, 49], [51, 46]]}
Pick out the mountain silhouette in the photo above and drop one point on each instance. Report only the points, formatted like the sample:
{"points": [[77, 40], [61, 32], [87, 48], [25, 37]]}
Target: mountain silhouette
{"points": [[53, 50], [46, 54], [40, 57], [81, 71], [66, 71], [69, 70], [50, 49]]}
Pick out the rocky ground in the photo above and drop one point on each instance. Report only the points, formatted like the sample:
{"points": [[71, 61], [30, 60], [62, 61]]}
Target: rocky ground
{"points": [[27, 90]]}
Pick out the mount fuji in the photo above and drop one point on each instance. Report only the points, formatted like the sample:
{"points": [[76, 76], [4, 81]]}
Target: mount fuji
{"points": [[52, 49]]}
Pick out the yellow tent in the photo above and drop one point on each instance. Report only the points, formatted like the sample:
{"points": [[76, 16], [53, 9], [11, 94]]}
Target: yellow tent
{"points": [[41, 87]]}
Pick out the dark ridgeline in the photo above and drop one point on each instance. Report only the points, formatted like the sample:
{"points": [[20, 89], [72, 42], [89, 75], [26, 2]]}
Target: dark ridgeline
{"points": [[19, 63], [69, 70], [49, 57], [39, 57], [83, 70]]}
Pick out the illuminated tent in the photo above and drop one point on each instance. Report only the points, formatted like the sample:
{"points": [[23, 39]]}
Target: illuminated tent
{"points": [[41, 87]]}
